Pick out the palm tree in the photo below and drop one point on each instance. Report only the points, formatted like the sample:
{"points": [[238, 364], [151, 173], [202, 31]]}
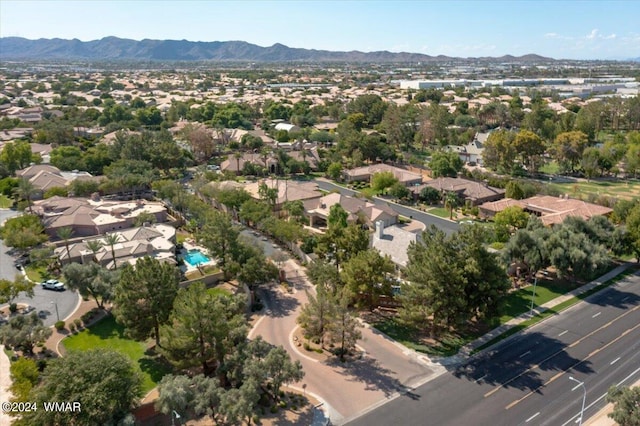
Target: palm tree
{"points": [[450, 202], [25, 190], [94, 246], [111, 240], [237, 156], [65, 234]]}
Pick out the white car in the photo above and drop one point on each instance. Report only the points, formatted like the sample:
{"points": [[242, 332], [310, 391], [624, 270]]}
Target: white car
{"points": [[53, 285]]}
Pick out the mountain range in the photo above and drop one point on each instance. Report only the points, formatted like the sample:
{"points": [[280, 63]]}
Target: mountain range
{"points": [[114, 48]]}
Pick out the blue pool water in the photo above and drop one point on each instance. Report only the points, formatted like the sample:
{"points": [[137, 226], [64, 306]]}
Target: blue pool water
{"points": [[195, 257]]}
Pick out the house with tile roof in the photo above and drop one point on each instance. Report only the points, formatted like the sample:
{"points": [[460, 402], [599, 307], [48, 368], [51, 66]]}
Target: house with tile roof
{"points": [[287, 190], [358, 209], [468, 190], [551, 210], [93, 217], [365, 173], [155, 240]]}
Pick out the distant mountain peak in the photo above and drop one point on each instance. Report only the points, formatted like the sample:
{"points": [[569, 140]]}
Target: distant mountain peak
{"points": [[115, 48]]}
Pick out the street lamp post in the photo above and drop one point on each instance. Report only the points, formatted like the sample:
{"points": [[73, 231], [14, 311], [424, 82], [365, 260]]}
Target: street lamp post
{"points": [[584, 396], [174, 416], [533, 295], [57, 313]]}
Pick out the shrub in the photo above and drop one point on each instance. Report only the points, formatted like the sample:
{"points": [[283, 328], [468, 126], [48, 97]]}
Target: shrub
{"points": [[59, 325], [274, 409], [13, 308], [72, 327], [77, 322]]}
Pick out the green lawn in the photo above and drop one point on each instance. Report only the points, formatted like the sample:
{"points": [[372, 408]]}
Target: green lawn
{"points": [[551, 168], [109, 334], [519, 301], [628, 190], [441, 212], [218, 291], [37, 273], [5, 202], [445, 346]]}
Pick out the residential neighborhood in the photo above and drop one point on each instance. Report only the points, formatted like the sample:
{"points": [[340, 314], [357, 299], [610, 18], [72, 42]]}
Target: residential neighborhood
{"points": [[368, 238]]}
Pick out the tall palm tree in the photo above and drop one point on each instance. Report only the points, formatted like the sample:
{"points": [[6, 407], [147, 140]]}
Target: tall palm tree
{"points": [[238, 156], [25, 190], [450, 202], [94, 246], [65, 234], [111, 240]]}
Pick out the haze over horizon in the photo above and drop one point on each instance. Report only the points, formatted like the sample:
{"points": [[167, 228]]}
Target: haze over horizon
{"points": [[558, 29]]}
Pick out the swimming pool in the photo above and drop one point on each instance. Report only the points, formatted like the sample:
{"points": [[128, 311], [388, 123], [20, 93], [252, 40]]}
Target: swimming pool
{"points": [[195, 257]]}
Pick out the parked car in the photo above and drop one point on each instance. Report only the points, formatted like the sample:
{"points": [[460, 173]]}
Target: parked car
{"points": [[53, 285]]}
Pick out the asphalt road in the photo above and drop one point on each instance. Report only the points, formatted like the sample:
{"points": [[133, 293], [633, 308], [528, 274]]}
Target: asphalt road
{"points": [[428, 220], [43, 300], [345, 389], [525, 381]]}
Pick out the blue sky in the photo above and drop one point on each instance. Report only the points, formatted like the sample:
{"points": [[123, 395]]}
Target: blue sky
{"points": [[560, 29]]}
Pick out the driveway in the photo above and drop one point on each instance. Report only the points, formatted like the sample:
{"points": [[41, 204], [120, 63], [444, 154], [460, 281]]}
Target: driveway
{"points": [[43, 300], [346, 389]]}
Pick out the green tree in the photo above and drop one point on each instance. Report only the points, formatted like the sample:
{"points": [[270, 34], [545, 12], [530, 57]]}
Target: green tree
{"points": [[17, 155], [591, 162], [429, 195], [344, 328], [626, 405], [103, 381], [220, 237], [111, 240], [530, 147], [453, 279], [633, 229], [514, 190], [399, 191], [24, 376], [91, 280], [512, 218], [451, 201], [499, 151], [24, 332], [9, 290], [316, 314], [445, 164], [65, 234], [568, 148], [144, 296], [382, 180], [68, 158], [368, 274], [23, 232], [25, 191], [203, 329]]}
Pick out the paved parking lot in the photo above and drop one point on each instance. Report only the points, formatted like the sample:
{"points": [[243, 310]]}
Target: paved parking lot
{"points": [[44, 301]]}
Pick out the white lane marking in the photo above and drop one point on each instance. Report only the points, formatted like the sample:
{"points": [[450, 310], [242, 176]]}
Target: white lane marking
{"points": [[563, 333], [525, 354], [532, 417], [595, 315], [602, 396], [614, 361], [624, 299], [480, 378]]}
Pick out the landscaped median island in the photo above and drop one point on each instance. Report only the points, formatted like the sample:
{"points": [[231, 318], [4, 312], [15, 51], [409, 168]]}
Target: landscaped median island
{"points": [[517, 303]]}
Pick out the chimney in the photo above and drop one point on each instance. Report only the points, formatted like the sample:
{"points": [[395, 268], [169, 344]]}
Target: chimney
{"points": [[379, 229]]}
